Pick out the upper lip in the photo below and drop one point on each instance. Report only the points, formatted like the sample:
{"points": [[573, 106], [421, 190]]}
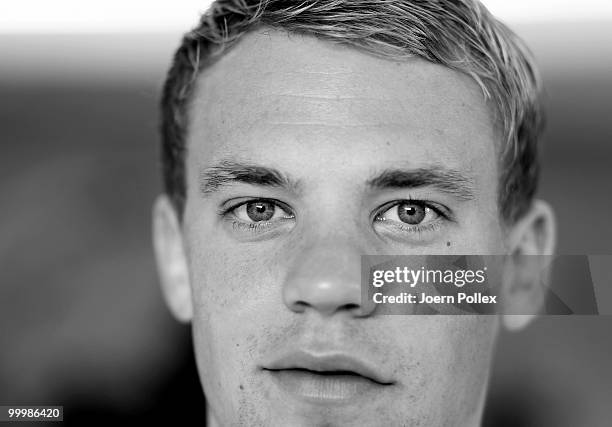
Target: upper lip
{"points": [[330, 362]]}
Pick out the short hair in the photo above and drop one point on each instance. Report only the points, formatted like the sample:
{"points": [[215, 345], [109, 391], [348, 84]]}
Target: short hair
{"points": [[459, 34]]}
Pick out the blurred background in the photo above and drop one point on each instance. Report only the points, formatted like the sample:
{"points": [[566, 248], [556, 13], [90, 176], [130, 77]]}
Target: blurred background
{"points": [[82, 321]]}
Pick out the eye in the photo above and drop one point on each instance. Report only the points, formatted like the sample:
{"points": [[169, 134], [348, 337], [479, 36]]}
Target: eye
{"points": [[259, 211], [410, 212]]}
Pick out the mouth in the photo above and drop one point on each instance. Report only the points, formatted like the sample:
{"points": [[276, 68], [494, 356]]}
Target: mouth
{"points": [[332, 378]]}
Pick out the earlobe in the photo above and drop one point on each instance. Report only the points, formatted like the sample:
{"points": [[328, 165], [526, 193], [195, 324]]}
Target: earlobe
{"points": [[171, 259], [532, 241]]}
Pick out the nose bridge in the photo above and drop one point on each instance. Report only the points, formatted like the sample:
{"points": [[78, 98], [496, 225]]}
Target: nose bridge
{"points": [[325, 277]]}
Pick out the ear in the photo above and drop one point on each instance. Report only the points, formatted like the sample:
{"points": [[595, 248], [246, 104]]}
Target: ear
{"points": [[171, 259], [523, 290]]}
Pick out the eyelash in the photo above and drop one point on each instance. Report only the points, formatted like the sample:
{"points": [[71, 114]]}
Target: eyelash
{"points": [[419, 229], [251, 227], [256, 227], [259, 227]]}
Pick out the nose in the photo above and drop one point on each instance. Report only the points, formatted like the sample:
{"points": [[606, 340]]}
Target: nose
{"points": [[327, 279]]}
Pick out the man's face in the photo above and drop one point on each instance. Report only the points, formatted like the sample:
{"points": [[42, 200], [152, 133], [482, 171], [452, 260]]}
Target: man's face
{"points": [[303, 156]]}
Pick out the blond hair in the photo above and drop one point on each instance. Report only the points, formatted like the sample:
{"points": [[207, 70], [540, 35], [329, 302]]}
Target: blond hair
{"points": [[459, 34]]}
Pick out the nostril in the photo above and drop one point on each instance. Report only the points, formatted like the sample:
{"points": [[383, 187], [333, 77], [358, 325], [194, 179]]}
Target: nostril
{"points": [[300, 306], [322, 289]]}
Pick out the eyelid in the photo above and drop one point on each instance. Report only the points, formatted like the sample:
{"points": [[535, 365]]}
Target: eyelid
{"points": [[249, 229], [228, 206], [438, 208]]}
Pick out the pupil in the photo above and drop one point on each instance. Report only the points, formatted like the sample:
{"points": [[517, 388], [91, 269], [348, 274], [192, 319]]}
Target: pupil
{"points": [[411, 213], [260, 211]]}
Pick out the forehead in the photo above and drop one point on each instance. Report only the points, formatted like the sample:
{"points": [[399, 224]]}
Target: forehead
{"points": [[275, 98]]}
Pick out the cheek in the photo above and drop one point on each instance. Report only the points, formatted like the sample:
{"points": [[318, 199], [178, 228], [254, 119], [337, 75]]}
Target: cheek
{"points": [[232, 290], [235, 299], [233, 280], [444, 363]]}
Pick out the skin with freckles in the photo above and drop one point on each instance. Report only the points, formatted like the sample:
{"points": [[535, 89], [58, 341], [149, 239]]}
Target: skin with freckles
{"points": [[287, 137]]}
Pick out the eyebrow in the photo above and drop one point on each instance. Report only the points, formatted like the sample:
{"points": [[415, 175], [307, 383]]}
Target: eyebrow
{"points": [[228, 172], [448, 181]]}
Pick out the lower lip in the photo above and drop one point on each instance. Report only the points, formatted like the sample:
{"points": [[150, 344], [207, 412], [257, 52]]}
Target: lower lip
{"points": [[316, 388]]}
